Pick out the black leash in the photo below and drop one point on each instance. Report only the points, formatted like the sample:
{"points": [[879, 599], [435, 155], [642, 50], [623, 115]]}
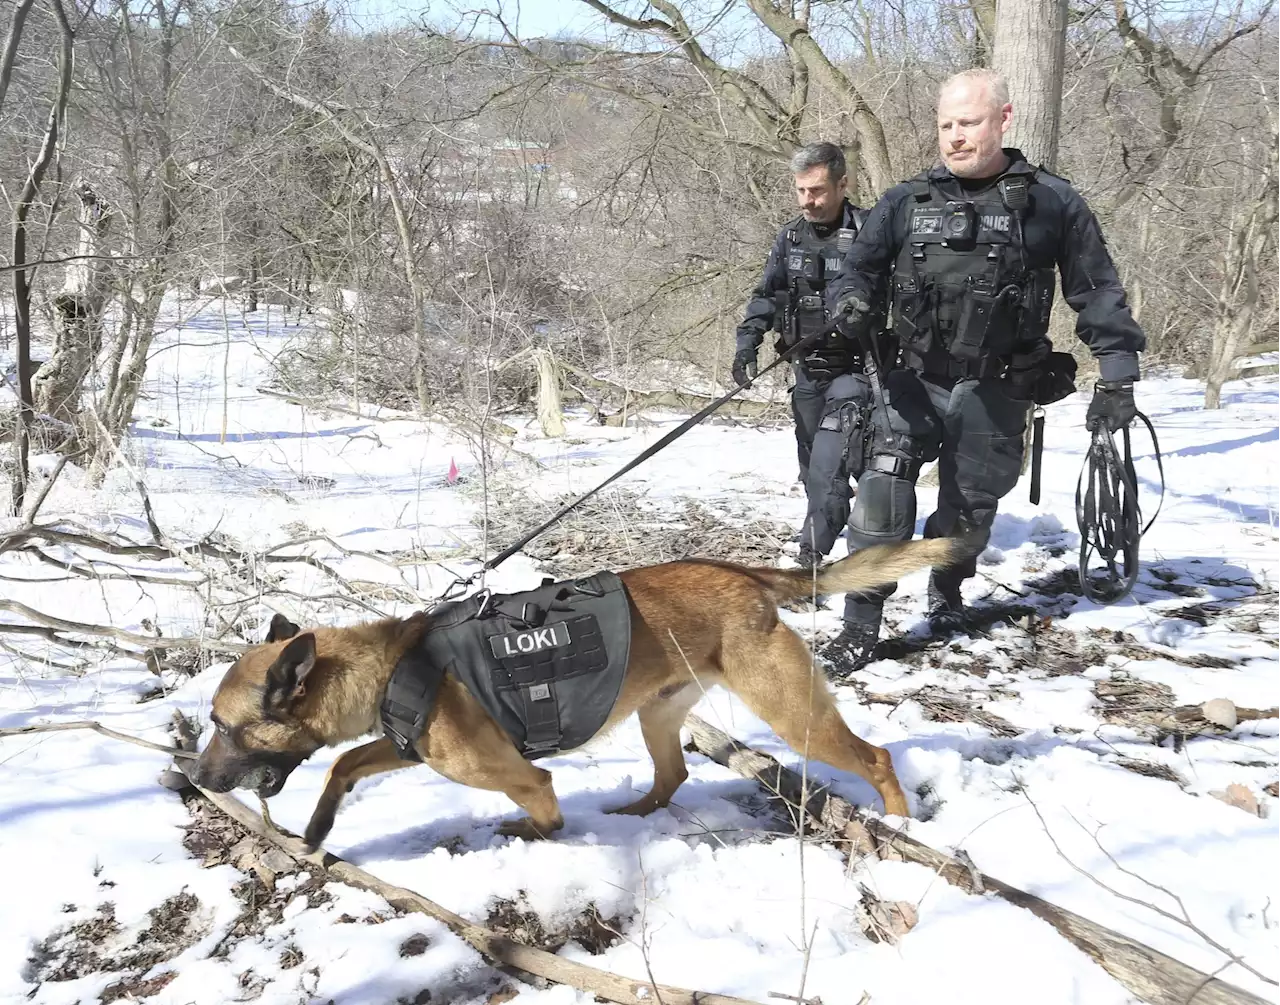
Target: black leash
{"points": [[1037, 453], [1109, 516], [461, 584]]}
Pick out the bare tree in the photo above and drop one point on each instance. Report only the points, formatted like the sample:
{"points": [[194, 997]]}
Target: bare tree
{"points": [[79, 308], [1030, 48], [1173, 78], [22, 277], [1252, 233]]}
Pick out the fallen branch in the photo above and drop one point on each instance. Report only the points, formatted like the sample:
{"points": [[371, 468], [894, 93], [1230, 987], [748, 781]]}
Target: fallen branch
{"points": [[1149, 974], [80, 628], [96, 727], [675, 401], [488, 943]]}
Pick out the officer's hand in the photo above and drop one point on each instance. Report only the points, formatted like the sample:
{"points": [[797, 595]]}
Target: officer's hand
{"points": [[852, 314], [744, 366], [852, 304], [1112, 405]]}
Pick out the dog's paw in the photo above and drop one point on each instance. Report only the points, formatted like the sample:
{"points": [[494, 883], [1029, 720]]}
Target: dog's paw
{"points": [[642, 807], [522, 828], [318, 827]]}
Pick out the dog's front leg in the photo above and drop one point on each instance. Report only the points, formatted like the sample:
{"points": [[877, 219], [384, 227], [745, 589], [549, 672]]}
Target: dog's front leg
{"points": [[370, 759]]}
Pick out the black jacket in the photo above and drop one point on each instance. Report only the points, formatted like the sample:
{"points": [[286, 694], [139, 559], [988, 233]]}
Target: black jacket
{"points": [[760, 311], [1059, 230]]}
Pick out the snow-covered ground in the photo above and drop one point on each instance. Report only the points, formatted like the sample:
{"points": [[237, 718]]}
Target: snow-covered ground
{"points": [[708, 894]]}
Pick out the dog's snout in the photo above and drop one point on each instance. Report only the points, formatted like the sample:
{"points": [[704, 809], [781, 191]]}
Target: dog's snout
{"points": [[214, 781]]}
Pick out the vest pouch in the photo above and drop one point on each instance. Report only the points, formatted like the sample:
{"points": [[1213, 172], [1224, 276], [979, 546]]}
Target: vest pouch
{"points": [[811, 315], [988, 323], [912, 320]]}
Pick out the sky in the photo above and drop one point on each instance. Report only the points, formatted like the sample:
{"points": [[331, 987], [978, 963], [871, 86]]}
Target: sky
{"points": [[531, 18]]}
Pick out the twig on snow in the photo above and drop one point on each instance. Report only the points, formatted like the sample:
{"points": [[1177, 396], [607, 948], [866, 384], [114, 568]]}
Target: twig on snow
{"points": [[96, 727]]}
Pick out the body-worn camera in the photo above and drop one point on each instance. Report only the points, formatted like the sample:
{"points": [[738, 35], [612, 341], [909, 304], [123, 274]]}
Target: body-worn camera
{"points": [[959, 222]]}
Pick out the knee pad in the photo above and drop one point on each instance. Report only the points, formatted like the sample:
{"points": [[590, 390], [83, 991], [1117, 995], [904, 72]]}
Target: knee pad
{"points": [[885, 509]]}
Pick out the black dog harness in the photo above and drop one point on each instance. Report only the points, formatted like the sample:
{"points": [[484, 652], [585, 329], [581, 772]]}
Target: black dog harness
{"points": [[546, 664]]}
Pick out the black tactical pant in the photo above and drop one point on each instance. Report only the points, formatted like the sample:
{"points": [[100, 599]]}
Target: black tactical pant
{"points": [[827, 412], [975, 431]]}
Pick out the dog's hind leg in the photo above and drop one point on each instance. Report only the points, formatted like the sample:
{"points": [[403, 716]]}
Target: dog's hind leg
{"points": [[776, 677], [660, 722], [369, 759]]}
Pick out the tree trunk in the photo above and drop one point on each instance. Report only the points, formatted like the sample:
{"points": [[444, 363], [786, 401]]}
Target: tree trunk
{"points": [[1031, 39], [79, 309], [22, 275], [1251, 233], [255, 277], [984, 31], [550, 410]]}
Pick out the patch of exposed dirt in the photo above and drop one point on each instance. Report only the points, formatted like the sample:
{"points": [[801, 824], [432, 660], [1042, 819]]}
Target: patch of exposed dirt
{"points": [[607, 531], [516, 920], [1150, 769], [941, 705], [92, 946], [1130, 701]]}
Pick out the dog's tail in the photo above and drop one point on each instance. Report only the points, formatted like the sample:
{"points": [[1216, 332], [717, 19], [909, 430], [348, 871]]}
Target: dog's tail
{"points": [[865, 569]]}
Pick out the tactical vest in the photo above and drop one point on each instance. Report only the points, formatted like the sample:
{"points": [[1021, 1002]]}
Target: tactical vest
{"points": [[546, 664], [812, 262], [961, 285]]}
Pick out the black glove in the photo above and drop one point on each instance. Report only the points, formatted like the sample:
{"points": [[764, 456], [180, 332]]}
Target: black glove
{"points": [[852, 303], [853, 313], [1112, 405], [744, 366]]}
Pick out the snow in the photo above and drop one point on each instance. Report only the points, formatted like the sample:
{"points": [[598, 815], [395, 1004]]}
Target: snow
{"points": [[708, 893]]}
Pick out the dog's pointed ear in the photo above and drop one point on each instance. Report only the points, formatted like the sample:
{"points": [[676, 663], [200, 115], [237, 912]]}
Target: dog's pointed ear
{"points": [[281, 628], [287, 677]]}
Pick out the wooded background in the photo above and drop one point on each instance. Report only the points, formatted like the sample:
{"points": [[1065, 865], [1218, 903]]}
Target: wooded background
{"points": [[442, 197]]}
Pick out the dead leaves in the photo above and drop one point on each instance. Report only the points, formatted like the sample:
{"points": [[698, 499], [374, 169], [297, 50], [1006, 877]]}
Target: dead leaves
{"points": [[1239, 796], [884, 920]]}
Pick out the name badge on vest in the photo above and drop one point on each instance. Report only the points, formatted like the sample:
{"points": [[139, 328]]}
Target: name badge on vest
{"points": [[926, 221], [530, 641]]}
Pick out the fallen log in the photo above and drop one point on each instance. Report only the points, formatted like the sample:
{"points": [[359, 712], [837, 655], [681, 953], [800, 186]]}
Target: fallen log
{"points": [[1149, 974], [634, 401], [490, 944]]}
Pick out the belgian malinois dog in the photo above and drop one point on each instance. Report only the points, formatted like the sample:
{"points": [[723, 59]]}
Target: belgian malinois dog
{"points": [[694, 624]]}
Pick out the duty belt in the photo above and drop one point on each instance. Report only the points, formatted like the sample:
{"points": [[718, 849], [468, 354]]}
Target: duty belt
{"points": [[941, 364]]}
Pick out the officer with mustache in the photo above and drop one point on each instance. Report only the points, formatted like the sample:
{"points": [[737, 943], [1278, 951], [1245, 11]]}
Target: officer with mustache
{"points": [[830, 389], [969, 249]]}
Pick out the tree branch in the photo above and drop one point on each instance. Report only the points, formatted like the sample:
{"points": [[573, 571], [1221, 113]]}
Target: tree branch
{"points": [[97, 727]]}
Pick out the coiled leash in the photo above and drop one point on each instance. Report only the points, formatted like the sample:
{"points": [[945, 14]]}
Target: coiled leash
{"points": [[461, 585], [1109, 515]]}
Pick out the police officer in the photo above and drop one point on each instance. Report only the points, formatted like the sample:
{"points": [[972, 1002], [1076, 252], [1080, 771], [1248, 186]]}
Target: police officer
{"points": [[789, 298], [970, 248]]}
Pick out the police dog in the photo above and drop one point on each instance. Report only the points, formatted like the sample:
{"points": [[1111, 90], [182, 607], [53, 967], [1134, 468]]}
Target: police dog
{"points": [[694, 624]]}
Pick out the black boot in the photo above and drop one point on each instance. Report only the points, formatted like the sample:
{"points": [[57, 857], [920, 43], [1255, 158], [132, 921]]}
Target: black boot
{"points": [[809, 560], [946, 607], [849, 651]]}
